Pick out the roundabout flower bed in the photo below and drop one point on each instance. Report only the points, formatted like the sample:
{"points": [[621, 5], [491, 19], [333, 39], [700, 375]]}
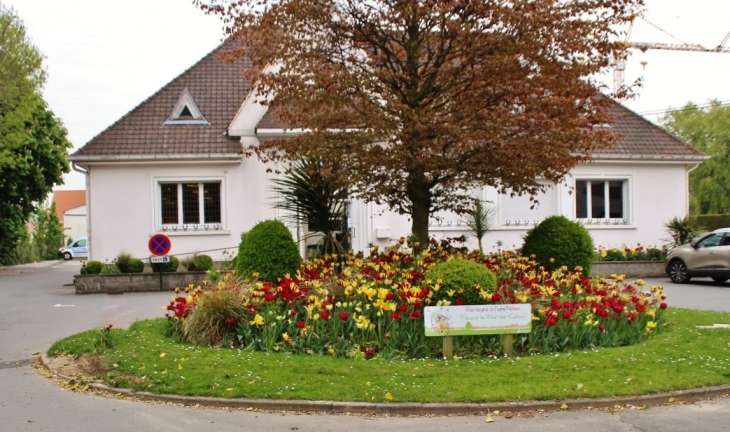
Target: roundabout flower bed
{"points": [[365, 307]]}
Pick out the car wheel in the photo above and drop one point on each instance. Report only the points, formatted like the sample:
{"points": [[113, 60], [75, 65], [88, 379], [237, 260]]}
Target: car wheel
{"points": [[678, 272], [719, 279], [67, 256]]}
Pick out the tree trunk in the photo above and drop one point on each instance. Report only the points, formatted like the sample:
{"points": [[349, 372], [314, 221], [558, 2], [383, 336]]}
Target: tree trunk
{"points": [[420, 197]]}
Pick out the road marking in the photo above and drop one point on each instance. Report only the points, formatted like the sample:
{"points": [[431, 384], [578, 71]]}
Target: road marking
{"points": [[62, 305]]}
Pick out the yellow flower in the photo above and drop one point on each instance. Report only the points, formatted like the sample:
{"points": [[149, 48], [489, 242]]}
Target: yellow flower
{"points": [[451, 293], [258, 320], [332, 352], [286, 338]]}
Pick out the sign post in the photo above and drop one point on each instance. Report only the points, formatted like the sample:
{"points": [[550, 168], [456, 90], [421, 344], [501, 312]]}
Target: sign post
{"points": [[449, 321], [159, 246]]}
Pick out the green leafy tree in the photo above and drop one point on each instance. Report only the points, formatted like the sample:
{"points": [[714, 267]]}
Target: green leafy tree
{"points": [[33, 144], [425, 100], [47, 232], [707, 130]]}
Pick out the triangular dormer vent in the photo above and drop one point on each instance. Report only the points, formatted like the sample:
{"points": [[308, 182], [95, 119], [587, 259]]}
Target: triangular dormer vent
{"points": [[186, 112]]}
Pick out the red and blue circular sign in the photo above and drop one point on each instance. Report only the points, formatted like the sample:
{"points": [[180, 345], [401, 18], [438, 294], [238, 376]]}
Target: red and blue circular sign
{"points": [[160, 245]]}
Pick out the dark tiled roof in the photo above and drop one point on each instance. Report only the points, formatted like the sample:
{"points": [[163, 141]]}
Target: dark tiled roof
{"points": [[218, 88], [270, 121], [639, 137]]}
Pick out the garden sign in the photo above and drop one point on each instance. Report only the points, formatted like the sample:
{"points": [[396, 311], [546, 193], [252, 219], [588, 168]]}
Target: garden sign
{"points": [[450, 321]]}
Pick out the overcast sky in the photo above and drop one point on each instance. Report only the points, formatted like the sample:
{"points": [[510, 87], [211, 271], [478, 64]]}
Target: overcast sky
{"points": [[104, 57]]}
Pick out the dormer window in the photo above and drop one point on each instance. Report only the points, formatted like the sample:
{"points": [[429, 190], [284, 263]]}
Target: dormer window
{"points": [[186, 112]]}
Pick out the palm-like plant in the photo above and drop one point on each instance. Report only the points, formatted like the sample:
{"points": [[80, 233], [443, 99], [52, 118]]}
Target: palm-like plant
{"points": [[681, 231], [312, 195], [480, 220]]}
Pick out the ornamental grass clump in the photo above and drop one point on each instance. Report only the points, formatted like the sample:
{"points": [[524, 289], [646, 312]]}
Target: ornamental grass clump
{"points": [[363, 307], [215, 317]]}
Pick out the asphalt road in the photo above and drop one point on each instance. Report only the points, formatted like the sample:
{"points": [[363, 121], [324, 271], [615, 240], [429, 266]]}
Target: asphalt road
{"points": [[39, 306]]}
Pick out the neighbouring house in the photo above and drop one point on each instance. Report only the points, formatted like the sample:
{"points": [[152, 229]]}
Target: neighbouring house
{"points": [[71, 212], [174, 166]]}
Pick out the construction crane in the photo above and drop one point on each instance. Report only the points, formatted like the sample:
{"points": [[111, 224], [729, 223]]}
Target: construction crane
{"points": [[619, 66]]}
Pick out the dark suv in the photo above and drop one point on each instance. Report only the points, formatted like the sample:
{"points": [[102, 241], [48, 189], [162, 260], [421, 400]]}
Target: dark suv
{"points": [[707, 256]]}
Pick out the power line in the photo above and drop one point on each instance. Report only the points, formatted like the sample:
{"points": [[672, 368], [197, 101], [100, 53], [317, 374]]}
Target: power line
{"points": [[696, 106]]}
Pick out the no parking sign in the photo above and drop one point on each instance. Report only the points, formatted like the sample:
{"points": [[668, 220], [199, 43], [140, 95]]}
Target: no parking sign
{"points": [[160, 245]]}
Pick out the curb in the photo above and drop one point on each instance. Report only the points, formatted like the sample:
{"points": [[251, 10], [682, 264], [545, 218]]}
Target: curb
{"points": [[405, 408]]}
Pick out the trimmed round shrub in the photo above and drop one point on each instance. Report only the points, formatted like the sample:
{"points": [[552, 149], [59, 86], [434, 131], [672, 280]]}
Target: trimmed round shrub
{"points": [[168, 267], [199, 263], [466, 279], [269, 250], [557, 241], [135, 265], [92, 267]]}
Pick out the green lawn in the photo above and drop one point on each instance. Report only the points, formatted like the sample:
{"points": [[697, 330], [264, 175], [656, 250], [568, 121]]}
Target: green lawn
{"points": [[681, 357]]}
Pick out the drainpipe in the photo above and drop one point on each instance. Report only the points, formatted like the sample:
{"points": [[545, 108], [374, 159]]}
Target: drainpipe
{"points": [[687, 183], [85, 172]]}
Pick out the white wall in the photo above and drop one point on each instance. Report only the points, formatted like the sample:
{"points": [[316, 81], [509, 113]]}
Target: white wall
{"points": [[656, 193], [123, 205], [74, 223], [124, 213]]}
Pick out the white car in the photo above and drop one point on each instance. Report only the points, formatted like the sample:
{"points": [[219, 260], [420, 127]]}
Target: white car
{"points": [[77, 249]]}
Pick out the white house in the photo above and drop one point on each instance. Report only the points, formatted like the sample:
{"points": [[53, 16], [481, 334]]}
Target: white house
{"points": [[174, 165]]}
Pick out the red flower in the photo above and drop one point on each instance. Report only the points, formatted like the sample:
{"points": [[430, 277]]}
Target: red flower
{"points": [[325, 315], [415, 314], [404, 308], [344, 315], [458, 302], [602, 329], [496, 297], [369, 353], [387, 335], [640, 308], [566, 314], [229, 321], [301, 324], [292, 312], [663, 306], [551, 320], [555, 304], [389, 296]]}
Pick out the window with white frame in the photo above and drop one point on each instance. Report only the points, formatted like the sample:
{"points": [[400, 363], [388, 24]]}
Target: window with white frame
{"points": [[526, 210], [195, 204], [601, 199]]}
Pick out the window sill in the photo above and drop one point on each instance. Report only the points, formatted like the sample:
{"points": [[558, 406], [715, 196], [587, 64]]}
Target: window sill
{"points": [[191, 232]]}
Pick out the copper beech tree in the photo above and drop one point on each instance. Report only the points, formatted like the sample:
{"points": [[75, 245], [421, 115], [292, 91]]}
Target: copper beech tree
{"points": [[423, 101]]}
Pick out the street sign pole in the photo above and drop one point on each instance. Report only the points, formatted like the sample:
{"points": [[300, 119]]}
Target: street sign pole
{"points": [[159, 245]]}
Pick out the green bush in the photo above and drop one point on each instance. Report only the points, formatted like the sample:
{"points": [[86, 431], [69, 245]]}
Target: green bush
{"points": [[558, 241], [122, 262], [198, 263], [713, 221], [92, 267], [169, 267], [269, 250], [135, 265], [466, 279]]}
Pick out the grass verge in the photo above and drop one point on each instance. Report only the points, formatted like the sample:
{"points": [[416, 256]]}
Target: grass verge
{"points": [[681, 357]]}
